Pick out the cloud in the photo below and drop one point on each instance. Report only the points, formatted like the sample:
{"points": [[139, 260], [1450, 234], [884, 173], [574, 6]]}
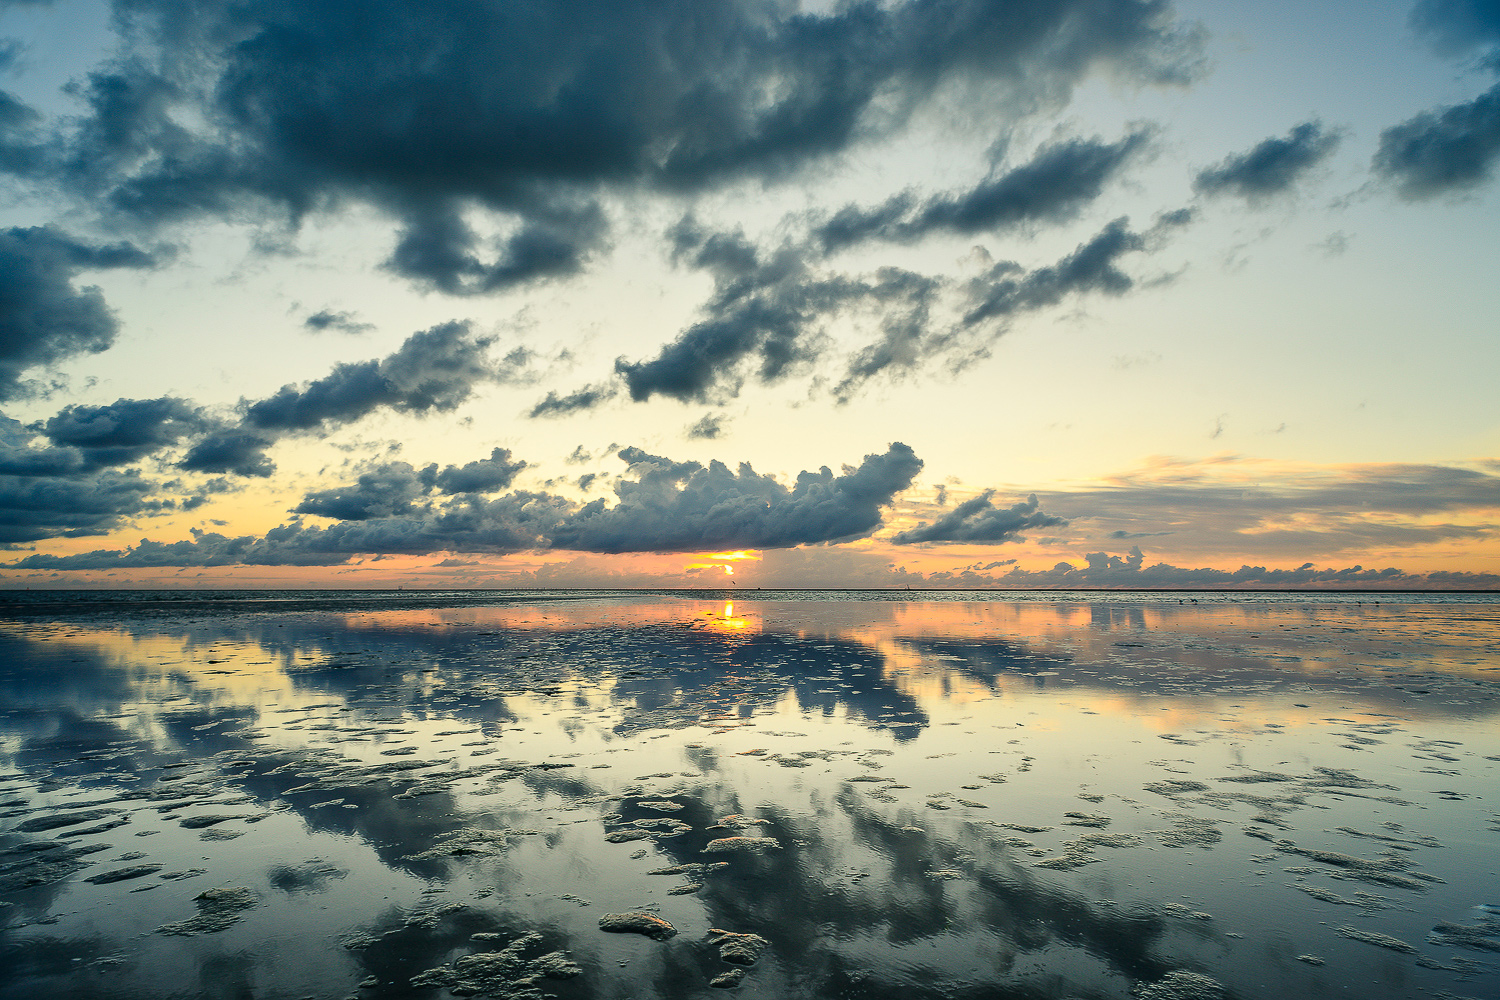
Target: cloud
{"points": [[439, 250], [526, 115], [52, 492], [707, 427], [235, 452], [486, 475], [1231, 505], [1272, 166], [434, 371], [23, 151], [1007, 289], [343, 322], [32, 509], [385, 491], [979, 520], [685, 507], [44, 319], [124, 431], [1457, 27], [584, 399], [1442, 151], [767, 305], [661, 506], [766, 317], [510, 523], [1059, 180], [1104, 571]]}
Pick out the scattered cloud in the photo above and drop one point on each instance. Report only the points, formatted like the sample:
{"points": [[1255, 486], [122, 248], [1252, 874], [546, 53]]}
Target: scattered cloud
{"points": [[660, 506], [574, 402], [1442, 151], [1457, 27], [685, 507], [1272, 166], [485, 475], [124, 431], [707, 427], [1232, 505], [1062, 178], [434, 371], [766, 319], [979, 520], [44, 318], [341, 322]]}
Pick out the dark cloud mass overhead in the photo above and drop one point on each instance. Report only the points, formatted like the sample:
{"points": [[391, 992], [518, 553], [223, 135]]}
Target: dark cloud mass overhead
{"points": [[485, 99]]}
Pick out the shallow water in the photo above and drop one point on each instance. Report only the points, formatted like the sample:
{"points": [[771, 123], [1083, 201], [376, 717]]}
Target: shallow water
{"points": [[1032, 797]]}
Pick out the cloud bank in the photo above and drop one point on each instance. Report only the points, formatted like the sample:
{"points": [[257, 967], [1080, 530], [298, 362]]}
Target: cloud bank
{"points": [[660, 506]]}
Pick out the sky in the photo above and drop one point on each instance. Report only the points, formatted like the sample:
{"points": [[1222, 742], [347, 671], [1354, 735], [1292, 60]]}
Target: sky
{"points": [[750, 293]]}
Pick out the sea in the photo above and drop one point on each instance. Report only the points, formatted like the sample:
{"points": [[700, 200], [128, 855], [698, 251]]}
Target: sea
{"points": [[894, 795]]}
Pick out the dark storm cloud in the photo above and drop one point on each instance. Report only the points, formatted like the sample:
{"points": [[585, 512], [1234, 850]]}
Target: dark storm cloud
{"points": [[528, 110], [661, 506], [1444, 150], [44, 319], [979, 520], [1059, 180], [685, 507], [124, 431], [1272, 166], [434, 371], [343, 322]]}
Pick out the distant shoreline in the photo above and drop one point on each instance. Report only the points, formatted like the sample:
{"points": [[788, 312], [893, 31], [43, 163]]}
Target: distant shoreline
{"points": [[156, 603]]}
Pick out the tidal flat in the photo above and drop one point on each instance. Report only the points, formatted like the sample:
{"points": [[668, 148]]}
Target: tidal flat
{"points": [[1155, 796]]}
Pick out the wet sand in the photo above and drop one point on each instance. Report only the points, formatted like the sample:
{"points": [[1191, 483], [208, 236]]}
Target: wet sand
{"points": [[672, 797]]}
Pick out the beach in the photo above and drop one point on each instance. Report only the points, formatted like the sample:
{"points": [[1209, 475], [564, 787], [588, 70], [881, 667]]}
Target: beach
{"points": [[824, 794]]}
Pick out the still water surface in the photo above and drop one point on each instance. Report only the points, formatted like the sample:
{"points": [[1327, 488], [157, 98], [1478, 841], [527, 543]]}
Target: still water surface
{"points": [[1031, 797]]}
